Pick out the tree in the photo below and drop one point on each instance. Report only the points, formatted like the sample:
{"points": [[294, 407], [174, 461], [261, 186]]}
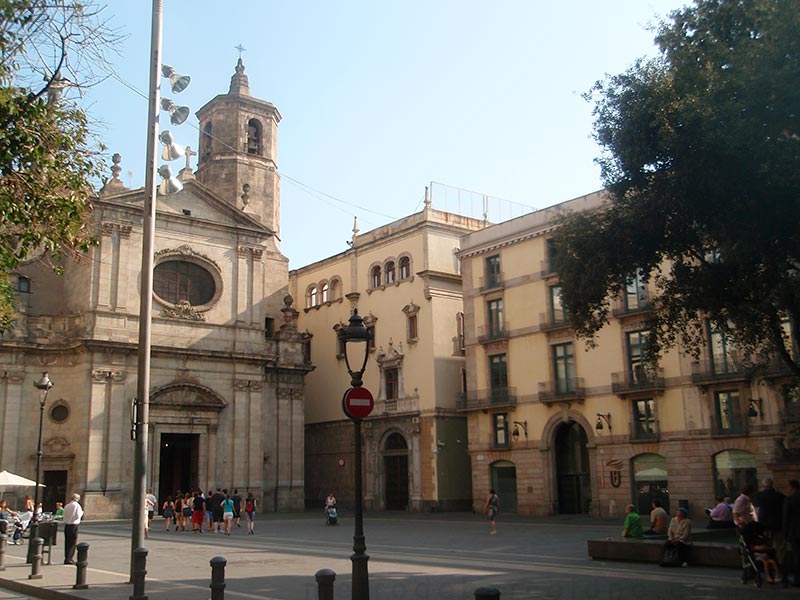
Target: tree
{"points": [[701, 159], [48, 158]]}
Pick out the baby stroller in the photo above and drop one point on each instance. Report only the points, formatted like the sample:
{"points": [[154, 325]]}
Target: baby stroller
{"points": [[755, 549], [331, 515]]}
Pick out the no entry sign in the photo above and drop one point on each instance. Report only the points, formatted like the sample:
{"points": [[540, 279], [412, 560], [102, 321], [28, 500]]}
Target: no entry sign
{"points": [[358, 402]]}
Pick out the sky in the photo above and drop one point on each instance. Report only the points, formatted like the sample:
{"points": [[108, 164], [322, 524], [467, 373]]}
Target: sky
{"points": [[380, 98]]}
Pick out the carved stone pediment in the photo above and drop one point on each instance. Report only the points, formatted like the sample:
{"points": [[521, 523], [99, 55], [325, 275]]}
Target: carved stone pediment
{"points": [[187, 396]]}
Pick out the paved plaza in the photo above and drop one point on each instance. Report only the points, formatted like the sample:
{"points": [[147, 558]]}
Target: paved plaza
{"points": [[412, 556]]}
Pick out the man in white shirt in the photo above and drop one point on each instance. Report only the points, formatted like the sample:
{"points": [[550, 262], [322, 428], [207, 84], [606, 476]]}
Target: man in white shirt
{"points": [[150, 502], [73, 513]]}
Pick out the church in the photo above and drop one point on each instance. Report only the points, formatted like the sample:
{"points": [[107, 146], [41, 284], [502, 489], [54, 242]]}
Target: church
{"points": [[228, 365]]}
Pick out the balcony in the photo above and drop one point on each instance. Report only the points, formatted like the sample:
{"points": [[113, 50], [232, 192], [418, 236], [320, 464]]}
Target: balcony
{"points": [[641, 304], [728, 369], [549, 322], [495, 331], [563, 390], [489, 398], [492, 282], [639, 380]]}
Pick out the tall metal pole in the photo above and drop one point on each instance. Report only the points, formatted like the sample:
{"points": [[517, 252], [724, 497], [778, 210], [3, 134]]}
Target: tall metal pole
{"points": [[43, 385], [359, 558], [146, 299]]}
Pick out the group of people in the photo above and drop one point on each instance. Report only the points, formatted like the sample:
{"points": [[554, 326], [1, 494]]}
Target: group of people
{"points": [[217, 511], [71, 515], [768, 521]]}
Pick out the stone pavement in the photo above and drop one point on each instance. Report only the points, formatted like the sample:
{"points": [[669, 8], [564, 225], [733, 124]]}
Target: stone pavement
{"points": [[441, 556]]}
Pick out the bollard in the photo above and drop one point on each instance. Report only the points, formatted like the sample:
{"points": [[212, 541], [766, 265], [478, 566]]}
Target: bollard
{"points": [[139, 571], [2, 551], [36, 558], [83, 562], [218, 577], [325, 579], [487, 593]]}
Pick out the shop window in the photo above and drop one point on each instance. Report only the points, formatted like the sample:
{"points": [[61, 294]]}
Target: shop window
{"points": [[733, 469], [650, 482]]}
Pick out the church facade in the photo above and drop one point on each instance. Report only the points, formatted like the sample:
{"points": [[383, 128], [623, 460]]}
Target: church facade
{"points": [[228, 369]]}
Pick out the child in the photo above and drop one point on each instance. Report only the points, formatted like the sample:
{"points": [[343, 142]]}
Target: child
{"points": [[763, 552]]}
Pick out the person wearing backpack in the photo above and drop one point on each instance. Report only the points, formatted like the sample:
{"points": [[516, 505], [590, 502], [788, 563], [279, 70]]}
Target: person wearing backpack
{"points": [[250, 507], [490, 510]]}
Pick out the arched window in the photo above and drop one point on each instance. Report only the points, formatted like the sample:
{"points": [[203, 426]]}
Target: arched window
{"points": [[390, 274], [405, 268], [336, 289], [325, 290], [733, 469], [205, 141], [375, 277], [395, 441], [253, 137], [650, 482], [23, 284], [311, 296]]}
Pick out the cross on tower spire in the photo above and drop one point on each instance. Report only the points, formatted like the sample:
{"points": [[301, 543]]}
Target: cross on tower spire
{"points": [[241, 49]]}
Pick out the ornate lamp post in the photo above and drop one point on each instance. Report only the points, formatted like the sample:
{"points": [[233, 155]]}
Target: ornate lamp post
{"points": [[357, 335], [43, 385]]}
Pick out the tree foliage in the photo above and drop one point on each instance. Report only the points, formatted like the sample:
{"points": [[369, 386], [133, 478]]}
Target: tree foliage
{"points": [[50, 50], [701, 159]]}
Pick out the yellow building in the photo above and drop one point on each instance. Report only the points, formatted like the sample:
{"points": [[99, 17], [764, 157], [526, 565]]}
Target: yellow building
{"points": [[557, 427], [404, 280]]}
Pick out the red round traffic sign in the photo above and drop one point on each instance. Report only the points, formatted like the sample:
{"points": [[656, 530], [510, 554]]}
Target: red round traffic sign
{"points": [[358, 402]]}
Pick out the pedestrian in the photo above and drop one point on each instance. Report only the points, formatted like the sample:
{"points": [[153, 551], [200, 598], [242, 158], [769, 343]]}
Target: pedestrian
{"points": [[178, 510], [791, 529], [678, 541], [73, 514], [150, 502], [768, 503], [743, 510], [187, 511], [227, 513], [632, 527], [198, 512], [721, 516], [658, 519], [237, 507], [168, 510], [29, 505], [210, 511], [490, 509], [250, 507]]}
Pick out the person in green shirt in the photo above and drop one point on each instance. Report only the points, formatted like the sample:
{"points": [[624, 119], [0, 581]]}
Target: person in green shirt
{"points": [[59, 514], [632, 527]]}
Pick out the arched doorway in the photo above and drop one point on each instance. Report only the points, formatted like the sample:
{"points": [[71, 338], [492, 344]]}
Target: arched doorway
{"points": [[504, 482], [572, 469], [395, 469], [650, 482]]}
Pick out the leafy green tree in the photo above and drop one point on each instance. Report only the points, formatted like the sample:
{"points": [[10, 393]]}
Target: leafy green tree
{"points": [[48, 157], [701, 159]]}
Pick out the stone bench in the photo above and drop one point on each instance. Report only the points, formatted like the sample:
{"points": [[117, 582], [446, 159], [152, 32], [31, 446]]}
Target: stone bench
{"points": [[707, 554]]}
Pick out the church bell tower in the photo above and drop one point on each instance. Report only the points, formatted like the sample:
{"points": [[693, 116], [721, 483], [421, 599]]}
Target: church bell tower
{"points": [[237, 159]]}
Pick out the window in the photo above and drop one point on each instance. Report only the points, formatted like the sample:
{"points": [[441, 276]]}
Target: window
{"points": [[371, 341], [498, 378], [644, 419], [636, 341], [552, 253], [391, 380], [23, 284], [390, 273], [650, 482], [722, 352], [269, 328], [253, 137], [59, 413], [375, 277], [340, 346], [733, 469], [492, 271], [307, 350], [412, 327], [336, 289], [495, 317], [556, 308], [460, 331], [312, 296], [564, 368], [635, 292], [500, 430], [405, 268], [205, 141], [726, 406], [177, 281], [325, 290]]}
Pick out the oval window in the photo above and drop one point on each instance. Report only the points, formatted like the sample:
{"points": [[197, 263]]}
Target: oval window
{"points": [[178, 281], [59, 413]]}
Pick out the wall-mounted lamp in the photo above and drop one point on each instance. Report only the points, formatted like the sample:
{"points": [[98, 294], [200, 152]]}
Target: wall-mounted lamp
{"points": [[603, 417], [515, 431], [755, 408]]}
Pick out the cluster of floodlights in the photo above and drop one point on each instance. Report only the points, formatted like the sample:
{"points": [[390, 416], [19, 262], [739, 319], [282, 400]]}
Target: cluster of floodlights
{"points": [[177, 115]]}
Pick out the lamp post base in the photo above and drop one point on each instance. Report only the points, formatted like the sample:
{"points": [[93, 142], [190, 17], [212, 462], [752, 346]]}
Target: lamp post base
{"points": [[360, 576]]}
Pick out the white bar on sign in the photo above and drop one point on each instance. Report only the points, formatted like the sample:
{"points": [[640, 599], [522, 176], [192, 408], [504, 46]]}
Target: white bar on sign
{"points": [[359, 402]]}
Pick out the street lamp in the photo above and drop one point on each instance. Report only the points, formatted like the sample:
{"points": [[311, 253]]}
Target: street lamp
{"points": [[43, 385], [356, 335]]}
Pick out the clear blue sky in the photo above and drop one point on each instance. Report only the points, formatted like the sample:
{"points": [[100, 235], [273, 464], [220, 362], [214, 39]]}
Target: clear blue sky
{"points": [[380, 98]]}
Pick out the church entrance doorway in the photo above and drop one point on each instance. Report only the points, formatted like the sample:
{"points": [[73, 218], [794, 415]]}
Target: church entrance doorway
{"points": [[504, 482], [55, 489], [178, 464], [395, 468], [572, 469]]}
